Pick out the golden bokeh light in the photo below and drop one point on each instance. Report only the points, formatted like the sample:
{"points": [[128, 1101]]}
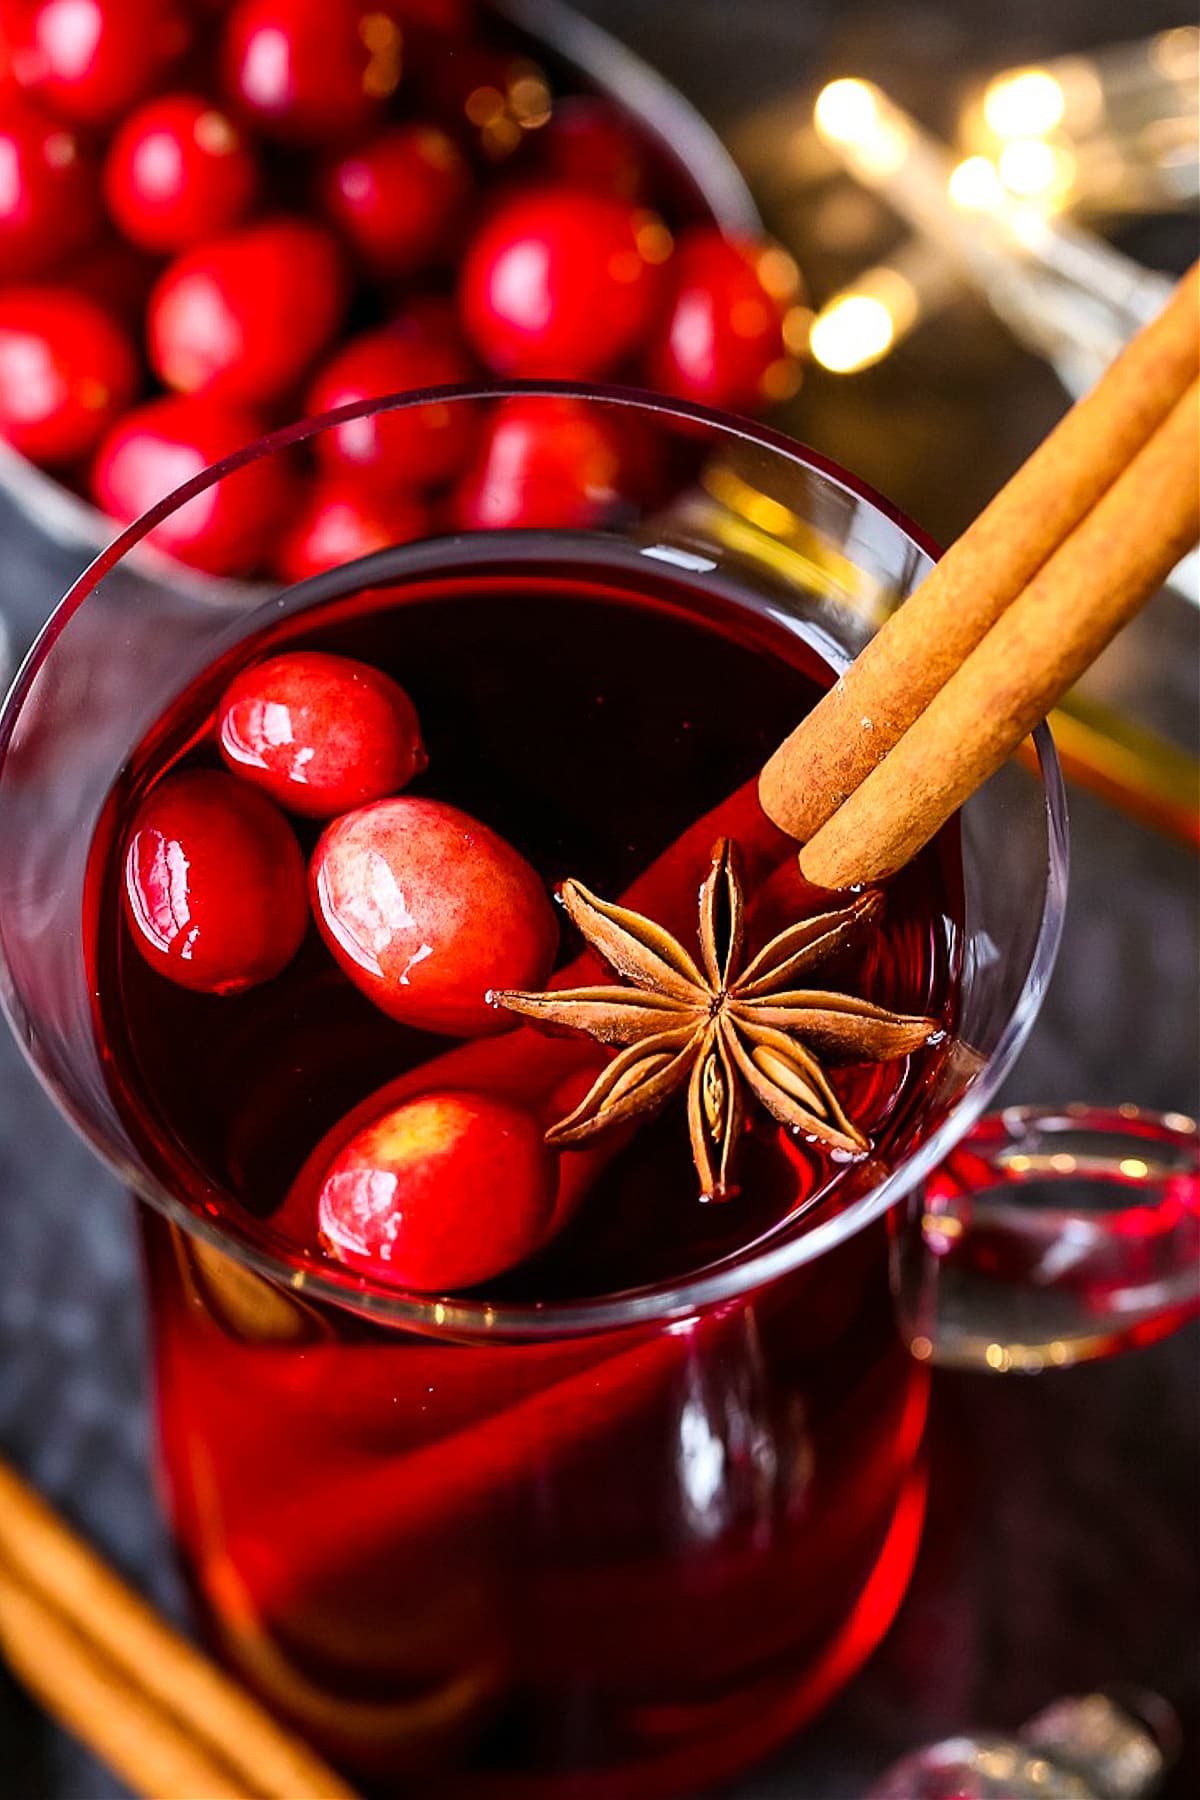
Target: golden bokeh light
{"points": [[1027, 103], [846, 111]]}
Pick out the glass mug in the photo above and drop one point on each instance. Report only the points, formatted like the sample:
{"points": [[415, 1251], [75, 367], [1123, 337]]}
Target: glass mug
{"points": [[621, 1545]]}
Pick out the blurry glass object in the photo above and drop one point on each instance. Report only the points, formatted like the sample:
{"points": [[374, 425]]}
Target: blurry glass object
{"points": [[1085, 1748], [1126, 117]]}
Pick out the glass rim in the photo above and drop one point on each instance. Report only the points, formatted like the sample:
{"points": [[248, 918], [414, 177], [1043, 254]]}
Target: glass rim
{"points": [[666, 1303]]}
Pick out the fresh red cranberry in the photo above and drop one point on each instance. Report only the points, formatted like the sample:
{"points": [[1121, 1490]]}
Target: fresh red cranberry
{"points": [[562, 282], [66, 371], [48, 201], [92, 59], [414, 446], [214, 883], [178, 170], [545, 462], [721, 339], [321, 734], [401, 199], [155, 448], [243, 316], [311, 71], [444, 1191], [341, 521], [427, 910], [587, 143]]}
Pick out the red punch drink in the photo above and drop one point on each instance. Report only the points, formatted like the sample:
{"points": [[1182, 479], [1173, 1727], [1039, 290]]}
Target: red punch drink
{"points": [[616, 1559]]}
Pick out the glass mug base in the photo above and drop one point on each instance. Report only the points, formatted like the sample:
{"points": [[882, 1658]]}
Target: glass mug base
{"points": [[631, 1565]]}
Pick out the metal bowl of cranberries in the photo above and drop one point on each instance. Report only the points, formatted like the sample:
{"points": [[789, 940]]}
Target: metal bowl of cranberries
{"points": [[217, 218]]}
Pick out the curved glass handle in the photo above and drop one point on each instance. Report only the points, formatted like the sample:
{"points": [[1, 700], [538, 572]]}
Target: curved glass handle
{"points": [[1051, 1237]]}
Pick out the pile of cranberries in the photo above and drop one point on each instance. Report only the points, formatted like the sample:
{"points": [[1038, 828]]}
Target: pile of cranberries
{"points": [[425, 910], [219, 215]]}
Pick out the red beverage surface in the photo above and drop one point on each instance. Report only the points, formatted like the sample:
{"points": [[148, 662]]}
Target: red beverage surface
{"points": [[599, 1564]]}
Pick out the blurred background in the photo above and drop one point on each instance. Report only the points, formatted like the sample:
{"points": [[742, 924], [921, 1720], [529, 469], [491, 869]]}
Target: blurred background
{"points": [[1061, 1552]]}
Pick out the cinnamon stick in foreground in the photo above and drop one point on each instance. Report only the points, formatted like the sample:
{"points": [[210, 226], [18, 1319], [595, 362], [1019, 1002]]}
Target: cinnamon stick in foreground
{"points": [[897, 674], [115, 1674], [1094, 583]]}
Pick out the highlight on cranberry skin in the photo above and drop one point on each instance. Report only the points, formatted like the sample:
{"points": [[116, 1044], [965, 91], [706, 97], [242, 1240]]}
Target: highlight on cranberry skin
{"points": [[321, 734], [561, 281], [67, 370], [723, 338], [400, 200], [339, 520], [311, 71], [241, 317], [49, 207], [427, 910], [90, 60], [546, 462], [445, 1191], [161, 444], [214, 883], [178, 170], [410, 447]]}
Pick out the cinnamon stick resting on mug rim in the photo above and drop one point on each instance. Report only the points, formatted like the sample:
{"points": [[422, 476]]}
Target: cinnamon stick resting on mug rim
{"points": [[926, 640]]}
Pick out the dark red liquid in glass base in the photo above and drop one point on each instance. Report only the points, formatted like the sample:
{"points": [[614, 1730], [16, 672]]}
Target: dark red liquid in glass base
{"points": [[615, 1564]]}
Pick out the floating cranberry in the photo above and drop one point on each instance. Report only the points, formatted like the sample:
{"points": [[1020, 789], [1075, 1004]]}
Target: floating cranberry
{"points": [[320, 733], [178, 170], [413, 446], [722, 338], [156, 447], [311, 71], [48, 201], [340, 521], [242, 317], [91, 59], [66, 371], [401, 199], [562, 282], [545, 462], [445, 1191], [214, 883], [427, 910], [587, 143]]}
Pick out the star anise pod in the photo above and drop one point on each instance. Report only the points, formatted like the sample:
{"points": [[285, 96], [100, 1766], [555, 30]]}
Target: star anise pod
{"points": [[725, 1029]]}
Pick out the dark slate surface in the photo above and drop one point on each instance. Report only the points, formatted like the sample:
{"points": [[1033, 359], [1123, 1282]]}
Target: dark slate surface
{"points": [[1062, 1549]]}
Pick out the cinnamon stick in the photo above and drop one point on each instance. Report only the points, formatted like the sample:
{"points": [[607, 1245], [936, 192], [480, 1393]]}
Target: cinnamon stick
{"points": [[147, 1749], [123, 1681], [1091, 586], [894, 678]]}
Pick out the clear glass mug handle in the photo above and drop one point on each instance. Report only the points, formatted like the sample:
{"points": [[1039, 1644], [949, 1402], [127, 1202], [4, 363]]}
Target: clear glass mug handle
{"points": [[1049, 1237]]}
